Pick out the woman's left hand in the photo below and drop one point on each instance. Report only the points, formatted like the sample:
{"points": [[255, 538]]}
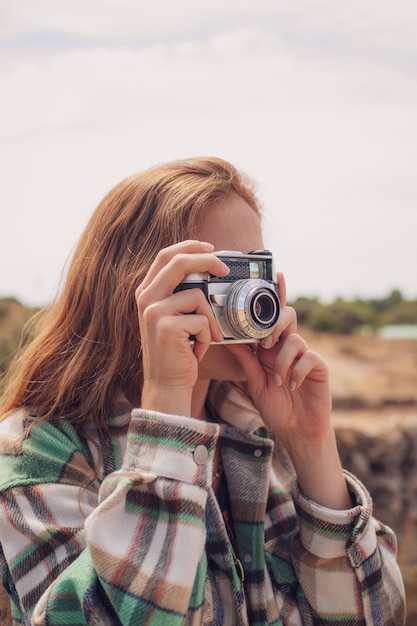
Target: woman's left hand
{"points": [[288, 382], [289, 385]]}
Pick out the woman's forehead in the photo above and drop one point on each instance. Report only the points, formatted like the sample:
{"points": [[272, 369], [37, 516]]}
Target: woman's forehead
{"points": [[231, 225]]}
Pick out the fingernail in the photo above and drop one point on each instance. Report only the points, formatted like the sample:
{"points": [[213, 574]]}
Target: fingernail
{"points": [[277, 379], [219, 337], [267, 342], [226, 267], [207, 245], [293, 385]]}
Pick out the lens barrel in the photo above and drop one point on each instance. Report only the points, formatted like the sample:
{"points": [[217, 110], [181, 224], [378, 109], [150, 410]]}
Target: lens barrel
{"points": [[252, 308]]}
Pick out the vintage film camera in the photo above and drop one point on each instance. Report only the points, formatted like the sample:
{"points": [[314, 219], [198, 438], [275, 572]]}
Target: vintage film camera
{"points": [[245, 302]]}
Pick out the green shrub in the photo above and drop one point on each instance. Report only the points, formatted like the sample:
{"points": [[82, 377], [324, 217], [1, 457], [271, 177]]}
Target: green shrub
{"points": [[345, 317]]}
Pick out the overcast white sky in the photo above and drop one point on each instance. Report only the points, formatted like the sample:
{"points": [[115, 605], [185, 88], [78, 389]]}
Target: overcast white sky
{"points": [[315, 99]]}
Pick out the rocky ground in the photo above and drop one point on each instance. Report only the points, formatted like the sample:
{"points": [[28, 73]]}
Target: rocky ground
{"points": [[380, 447], [374, 384]]}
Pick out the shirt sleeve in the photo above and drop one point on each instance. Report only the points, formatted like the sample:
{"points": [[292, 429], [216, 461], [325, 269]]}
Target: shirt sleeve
{"points": [[345, 561], [125, 551]]}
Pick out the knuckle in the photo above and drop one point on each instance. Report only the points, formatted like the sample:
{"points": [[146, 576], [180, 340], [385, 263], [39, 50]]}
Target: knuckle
{"points": [[289, 312], [294, 339], [164, 255], [141, 299], [179, 262], [200, 296], [292, 313], [138, 293], [180, 258], [164, 329], [311, 355], [150, 314]]}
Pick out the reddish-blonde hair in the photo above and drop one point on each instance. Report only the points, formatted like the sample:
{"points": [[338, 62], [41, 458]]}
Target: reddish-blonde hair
{"points": [[85, 346]]}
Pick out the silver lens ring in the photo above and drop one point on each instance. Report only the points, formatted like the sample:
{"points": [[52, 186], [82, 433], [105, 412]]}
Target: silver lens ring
{"points": [[252, 308]]}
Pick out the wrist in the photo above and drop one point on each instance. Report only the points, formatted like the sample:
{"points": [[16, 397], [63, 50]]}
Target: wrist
{"points": [[319, 470], [166, 399], [302, 447]]}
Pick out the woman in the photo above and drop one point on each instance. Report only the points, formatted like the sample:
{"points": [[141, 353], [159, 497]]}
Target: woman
{"points": [[221, 499]]}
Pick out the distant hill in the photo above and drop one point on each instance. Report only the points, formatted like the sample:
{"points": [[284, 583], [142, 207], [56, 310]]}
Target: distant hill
{"points": [[13, 317], [367, 371]]}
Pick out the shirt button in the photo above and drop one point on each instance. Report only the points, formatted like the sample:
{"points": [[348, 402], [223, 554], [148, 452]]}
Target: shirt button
{"points": [[200, 454], [247, 558], [257, 452]]}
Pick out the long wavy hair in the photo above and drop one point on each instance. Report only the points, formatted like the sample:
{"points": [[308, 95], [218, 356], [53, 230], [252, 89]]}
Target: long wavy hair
{"points": [[85, 346]]}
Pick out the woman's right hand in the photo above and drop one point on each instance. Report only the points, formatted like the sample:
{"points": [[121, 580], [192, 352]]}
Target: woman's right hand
{"points": [[166, 321]]}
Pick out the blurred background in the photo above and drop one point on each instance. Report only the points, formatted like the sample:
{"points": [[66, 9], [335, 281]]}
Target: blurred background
{"points": [[316, 100]]}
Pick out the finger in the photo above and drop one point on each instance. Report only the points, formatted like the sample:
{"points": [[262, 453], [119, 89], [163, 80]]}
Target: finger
{"points": [[309, 363], [162, 283], [195, 325], [287, 321], [186, 326], [191, 303], [282, 289], [174, 333], [164, 256], [286, 325], [290, 350]]}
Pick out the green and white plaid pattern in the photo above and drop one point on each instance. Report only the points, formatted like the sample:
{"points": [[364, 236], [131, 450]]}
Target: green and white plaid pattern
{"points": [[146, 543]]}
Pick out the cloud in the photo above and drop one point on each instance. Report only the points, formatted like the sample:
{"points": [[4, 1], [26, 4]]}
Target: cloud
{"points": [[316, 100], [322, 24]]}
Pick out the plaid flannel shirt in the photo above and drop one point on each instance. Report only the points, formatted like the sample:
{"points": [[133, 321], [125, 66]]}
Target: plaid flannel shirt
{"points": [[145, 542]]}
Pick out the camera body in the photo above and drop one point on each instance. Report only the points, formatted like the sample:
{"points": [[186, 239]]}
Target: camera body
{"points": [[245, 302]]}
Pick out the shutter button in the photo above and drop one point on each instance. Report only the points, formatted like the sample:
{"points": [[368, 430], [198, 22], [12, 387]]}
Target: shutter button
{"points": [[200, 454]]}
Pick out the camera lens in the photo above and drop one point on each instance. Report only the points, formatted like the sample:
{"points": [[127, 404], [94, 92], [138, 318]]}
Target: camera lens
{"points": [[252, 308], [263, 308]]}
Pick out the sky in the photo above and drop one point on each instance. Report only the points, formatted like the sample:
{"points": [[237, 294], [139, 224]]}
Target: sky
{"points": [[315, 99]]}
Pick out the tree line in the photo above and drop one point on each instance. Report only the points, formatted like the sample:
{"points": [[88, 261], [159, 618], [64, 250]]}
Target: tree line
{"points": [[339, 317], [349, 316]]}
